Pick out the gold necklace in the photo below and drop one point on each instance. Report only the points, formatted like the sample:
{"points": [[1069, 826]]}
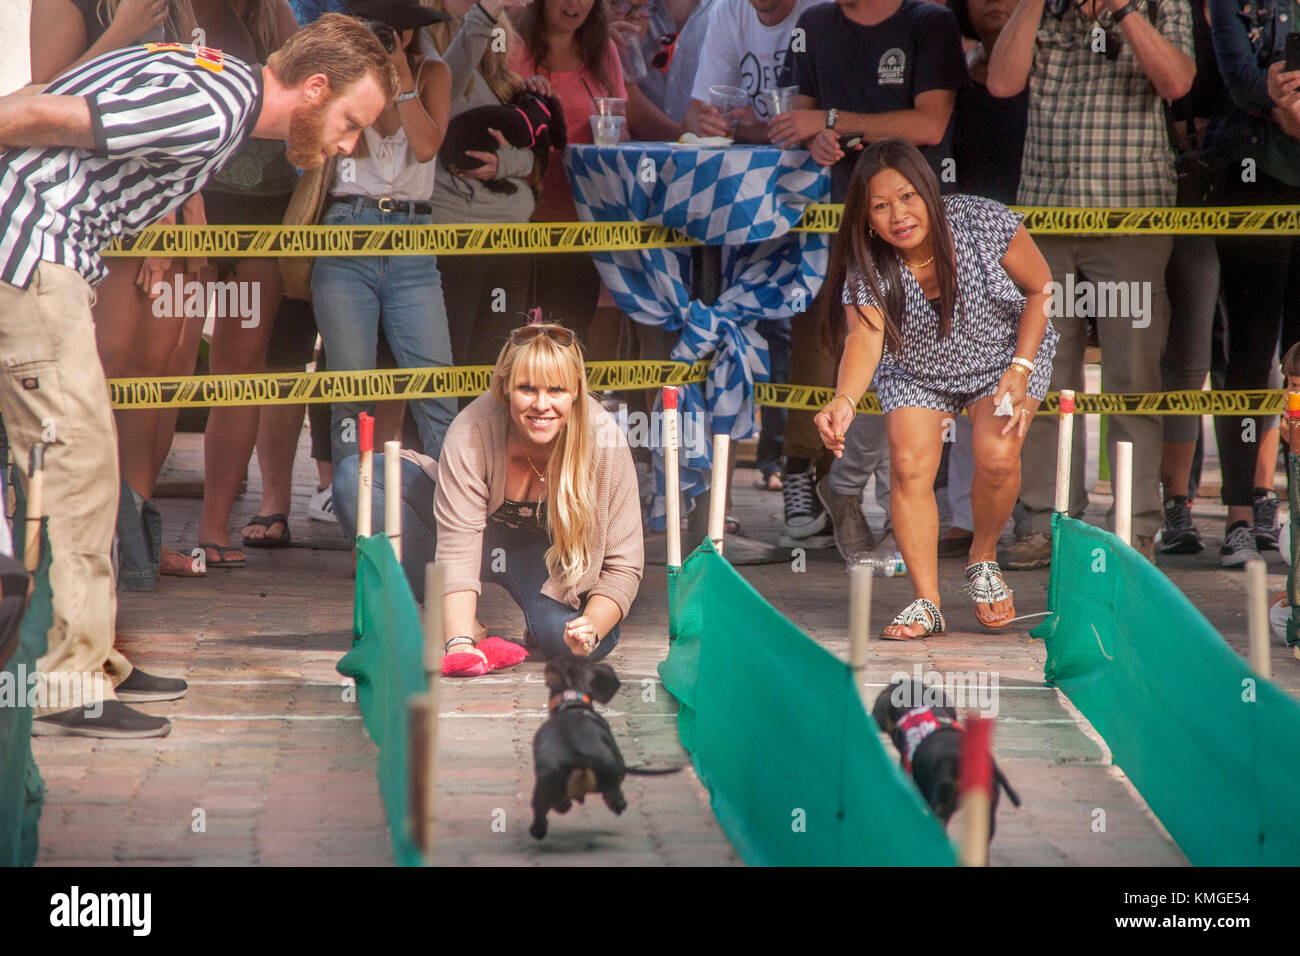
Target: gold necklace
{"points": [[529, 459], [919, 265]]}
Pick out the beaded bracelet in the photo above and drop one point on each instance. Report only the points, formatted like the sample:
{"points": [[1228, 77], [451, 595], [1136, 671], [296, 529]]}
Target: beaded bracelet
{"points": [[1024, 363]]}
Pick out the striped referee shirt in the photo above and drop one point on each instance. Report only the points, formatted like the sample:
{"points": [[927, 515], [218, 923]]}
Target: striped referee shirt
{"points": [[1097, 133], [165, 117]]}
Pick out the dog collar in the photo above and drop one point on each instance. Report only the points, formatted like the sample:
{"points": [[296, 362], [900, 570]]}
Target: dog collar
{"points": [[917, 724], [534, 131], [568, 698]]}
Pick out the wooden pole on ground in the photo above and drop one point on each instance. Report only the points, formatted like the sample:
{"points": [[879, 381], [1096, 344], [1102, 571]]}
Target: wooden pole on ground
{"points": [[393, 496], [1257, 614], [976, 790], [365, 470], [1065, 439], [422, 711], [1123, 488], [859, 625], [672, 480], [718, 490]]}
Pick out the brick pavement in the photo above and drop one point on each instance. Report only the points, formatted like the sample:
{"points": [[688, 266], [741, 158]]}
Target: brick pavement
{"points": [[277, 761]]}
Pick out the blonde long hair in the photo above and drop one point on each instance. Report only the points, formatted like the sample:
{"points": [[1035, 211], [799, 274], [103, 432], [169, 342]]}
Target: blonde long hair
{"points": [[570, 510], [180, 23], [494, 67]]}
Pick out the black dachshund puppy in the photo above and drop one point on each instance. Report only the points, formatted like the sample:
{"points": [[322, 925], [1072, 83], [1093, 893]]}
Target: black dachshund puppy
{"points": [[574, 752], [529, 121], [922, 723]]}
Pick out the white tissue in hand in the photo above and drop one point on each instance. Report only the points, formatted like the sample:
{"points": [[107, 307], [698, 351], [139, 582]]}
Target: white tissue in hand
{"points": [[1005, 407]]}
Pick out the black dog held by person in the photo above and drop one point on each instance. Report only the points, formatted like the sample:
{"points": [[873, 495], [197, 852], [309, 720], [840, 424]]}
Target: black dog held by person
{"points": [[574, 752], [528, 121], [922, 723]]}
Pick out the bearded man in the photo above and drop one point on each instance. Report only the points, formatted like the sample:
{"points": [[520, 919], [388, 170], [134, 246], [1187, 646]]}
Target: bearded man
{"points": [[103, 151]]}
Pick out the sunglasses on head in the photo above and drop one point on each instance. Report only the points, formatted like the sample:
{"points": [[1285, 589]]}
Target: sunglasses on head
{"points": [[664, 56], [556, 333]]}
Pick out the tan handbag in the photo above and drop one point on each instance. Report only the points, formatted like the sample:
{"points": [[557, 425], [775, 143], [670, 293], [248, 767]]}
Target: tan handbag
{"points": [[306, 207]]}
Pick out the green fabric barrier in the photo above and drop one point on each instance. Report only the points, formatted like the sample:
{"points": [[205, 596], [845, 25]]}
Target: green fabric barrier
{"points": [[387, 662], [775, 726], [22, 791], [1213, 749]]}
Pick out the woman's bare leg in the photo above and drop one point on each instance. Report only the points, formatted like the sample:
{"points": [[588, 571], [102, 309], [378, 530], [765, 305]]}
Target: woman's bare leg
{"points": [[995, 487], [915, 448]]}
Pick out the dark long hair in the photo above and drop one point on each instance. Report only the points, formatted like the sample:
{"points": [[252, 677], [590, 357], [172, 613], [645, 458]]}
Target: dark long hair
{"points": [[592, 36], [875, 259]]}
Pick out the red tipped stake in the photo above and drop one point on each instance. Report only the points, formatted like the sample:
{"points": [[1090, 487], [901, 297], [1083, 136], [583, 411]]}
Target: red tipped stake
{"points": [[975, 789], [367, 432]]}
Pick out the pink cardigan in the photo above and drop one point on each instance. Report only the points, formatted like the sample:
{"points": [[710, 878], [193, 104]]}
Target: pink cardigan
{"points": [[471, 486]]}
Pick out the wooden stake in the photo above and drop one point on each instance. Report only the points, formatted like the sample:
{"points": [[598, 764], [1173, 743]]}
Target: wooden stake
{"points": [[1123, 488], [365, 471], [718, 490], [393, 496], [421, 785], [1065, 439], [1257, 614], [976, 790], [672, 480], [859, 625], [423, 713]]}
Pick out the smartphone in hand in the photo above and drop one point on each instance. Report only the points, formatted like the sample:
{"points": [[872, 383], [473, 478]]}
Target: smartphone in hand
{"points": [[1292, 51]]}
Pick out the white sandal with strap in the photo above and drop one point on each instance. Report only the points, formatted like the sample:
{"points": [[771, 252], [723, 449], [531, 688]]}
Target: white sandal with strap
{"points": [[985, 584], [922, 611]]}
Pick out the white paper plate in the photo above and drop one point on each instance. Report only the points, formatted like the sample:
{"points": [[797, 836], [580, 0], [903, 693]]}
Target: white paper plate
{"points": [[703, 142]]}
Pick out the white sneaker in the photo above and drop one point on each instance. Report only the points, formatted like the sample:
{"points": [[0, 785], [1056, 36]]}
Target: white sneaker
{"points": [[321, 506]]}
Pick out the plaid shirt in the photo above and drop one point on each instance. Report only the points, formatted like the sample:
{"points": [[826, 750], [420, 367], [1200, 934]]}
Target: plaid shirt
{"points": [[1097, 134]]}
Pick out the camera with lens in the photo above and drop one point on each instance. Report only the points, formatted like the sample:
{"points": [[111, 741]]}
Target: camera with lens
{"points": [[386, 35]]}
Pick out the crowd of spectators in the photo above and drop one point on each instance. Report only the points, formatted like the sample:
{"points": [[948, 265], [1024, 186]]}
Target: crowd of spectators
{"points": [[1037, 102]]}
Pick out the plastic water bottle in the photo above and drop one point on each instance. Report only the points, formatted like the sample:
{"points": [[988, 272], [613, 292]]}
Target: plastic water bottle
{"points": [[888, 564]]}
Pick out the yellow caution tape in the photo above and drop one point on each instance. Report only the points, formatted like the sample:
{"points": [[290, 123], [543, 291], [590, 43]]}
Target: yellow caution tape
{"points": [[1260, 401], [443, 240], [498, 238], [291, 388], [1045, 221]]}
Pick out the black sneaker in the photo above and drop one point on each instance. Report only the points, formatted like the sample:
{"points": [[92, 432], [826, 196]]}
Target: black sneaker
{"points": [[1265, 504], [109, 718], [806, 521], [1179, 535], [139, 687], [1238, 546]]}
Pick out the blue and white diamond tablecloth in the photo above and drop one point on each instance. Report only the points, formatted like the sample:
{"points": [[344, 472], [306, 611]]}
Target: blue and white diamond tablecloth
{"points": [[743, 198]]}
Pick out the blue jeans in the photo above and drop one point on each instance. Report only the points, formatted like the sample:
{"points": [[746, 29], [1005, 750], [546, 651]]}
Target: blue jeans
{"points": [[354, 294], [512, 558]]}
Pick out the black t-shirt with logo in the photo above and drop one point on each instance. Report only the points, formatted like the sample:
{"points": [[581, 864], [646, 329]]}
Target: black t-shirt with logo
{"points": [[879, 69]]}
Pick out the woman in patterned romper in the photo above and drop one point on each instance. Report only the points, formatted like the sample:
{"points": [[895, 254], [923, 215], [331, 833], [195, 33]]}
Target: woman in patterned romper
{"points": [[944, 308]]}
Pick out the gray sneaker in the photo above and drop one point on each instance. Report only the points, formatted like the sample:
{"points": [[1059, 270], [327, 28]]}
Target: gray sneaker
{"points": [[852, 533], [1028, 552]]}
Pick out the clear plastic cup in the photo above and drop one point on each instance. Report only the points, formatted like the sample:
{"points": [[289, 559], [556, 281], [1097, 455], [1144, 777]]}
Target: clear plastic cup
{"points": [[607, 130], [725, 99], [770, 101], [611, 106]]}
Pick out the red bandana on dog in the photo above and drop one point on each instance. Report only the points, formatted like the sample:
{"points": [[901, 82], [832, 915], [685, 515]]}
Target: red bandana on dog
{"points": [[917, 724]]}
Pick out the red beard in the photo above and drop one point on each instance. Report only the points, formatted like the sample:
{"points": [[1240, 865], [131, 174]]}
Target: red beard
{"points": [[307, 134]]}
